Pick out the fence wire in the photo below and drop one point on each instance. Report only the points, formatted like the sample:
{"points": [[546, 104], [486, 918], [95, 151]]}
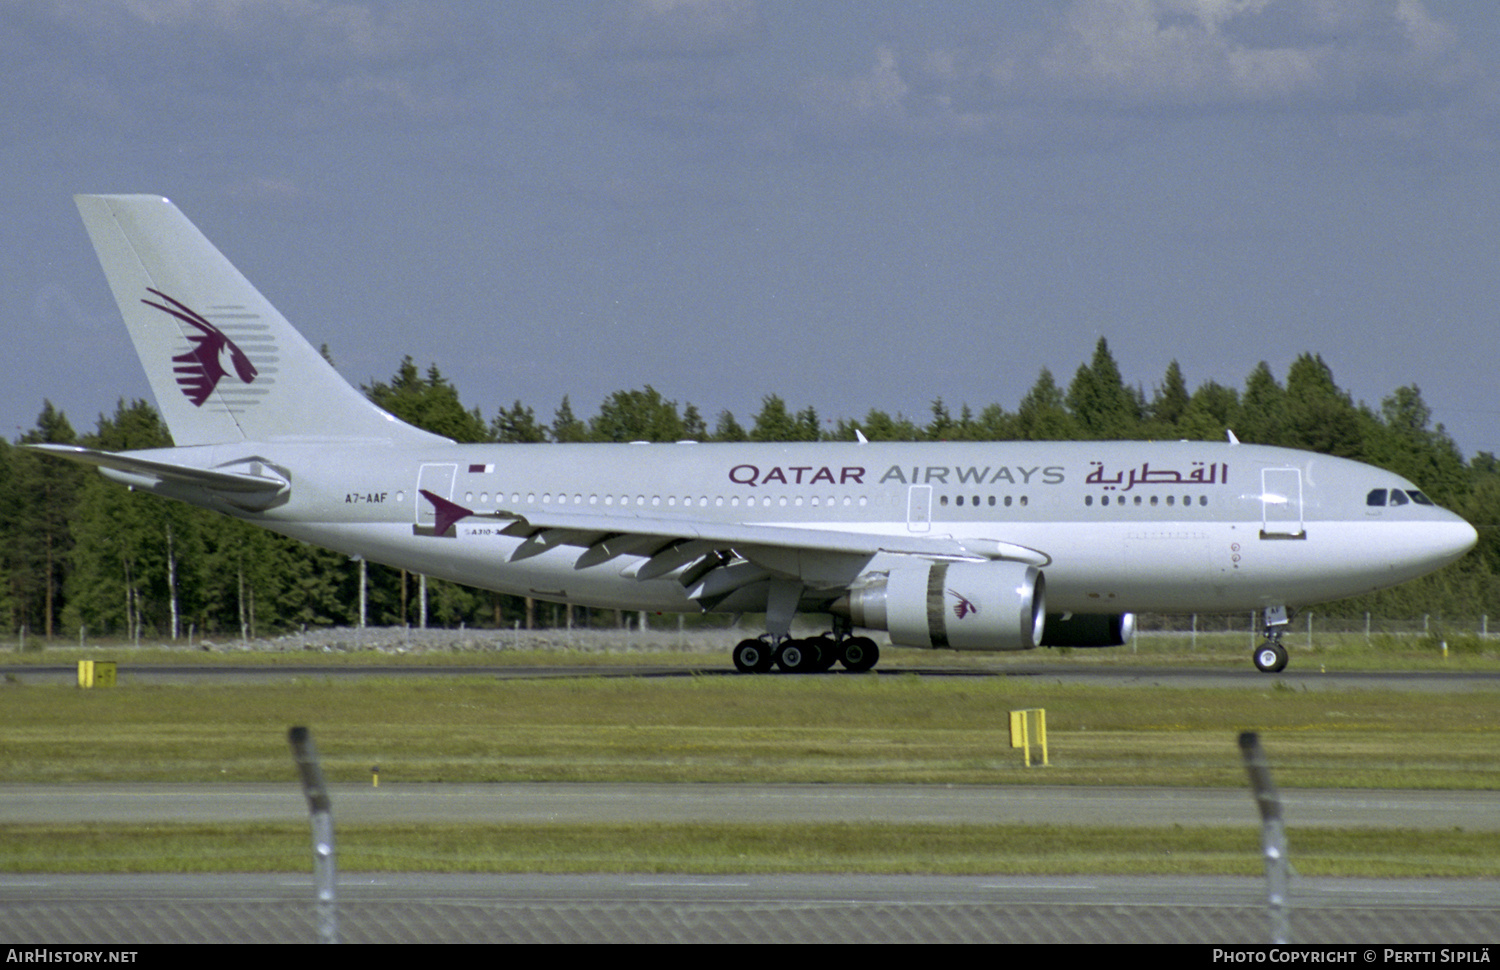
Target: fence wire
{"points": [[645, 920]]}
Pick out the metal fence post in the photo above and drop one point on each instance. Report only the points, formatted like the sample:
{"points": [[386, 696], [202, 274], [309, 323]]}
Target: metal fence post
{"points": [[1272, 836], [325, 863]]}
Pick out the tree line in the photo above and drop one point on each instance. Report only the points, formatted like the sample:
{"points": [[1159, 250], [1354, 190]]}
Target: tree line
{"points": [[80, 554]]}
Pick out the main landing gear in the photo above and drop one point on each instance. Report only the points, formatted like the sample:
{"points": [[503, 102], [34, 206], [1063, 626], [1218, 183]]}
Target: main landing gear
{"points": [[777, 647], [1271, 656], [814, 655]]}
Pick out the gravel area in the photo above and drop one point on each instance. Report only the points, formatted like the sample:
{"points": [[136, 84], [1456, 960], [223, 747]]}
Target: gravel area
{"points": [[418, 641]]}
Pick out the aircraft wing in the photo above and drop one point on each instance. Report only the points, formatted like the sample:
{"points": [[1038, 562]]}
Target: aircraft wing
{"points": [[717, 558]]}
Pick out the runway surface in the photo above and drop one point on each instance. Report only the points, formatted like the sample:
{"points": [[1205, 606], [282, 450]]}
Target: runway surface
{"points": [[620, 803], [1306, 677]]}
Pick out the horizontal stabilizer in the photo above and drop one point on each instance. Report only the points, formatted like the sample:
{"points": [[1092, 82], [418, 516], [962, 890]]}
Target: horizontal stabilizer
{"points": [[246, 489]]}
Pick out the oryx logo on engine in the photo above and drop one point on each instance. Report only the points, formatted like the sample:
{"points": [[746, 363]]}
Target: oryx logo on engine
{"points": [[964, 606]]}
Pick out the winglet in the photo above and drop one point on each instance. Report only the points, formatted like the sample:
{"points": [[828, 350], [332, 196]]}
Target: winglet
{"points": [[448, 513]]}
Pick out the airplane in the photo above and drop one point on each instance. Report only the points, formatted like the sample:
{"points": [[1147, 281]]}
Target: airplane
{"points": [[964, 546]]}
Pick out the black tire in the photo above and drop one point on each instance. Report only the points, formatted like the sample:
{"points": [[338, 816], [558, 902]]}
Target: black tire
{"points": [[1270, 658], [859, 654], [750, 656], [794, 656]]}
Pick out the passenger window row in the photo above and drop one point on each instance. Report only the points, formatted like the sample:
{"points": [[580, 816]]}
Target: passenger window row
{"points": [[974, 501], [669, 501], [1146, 501]]}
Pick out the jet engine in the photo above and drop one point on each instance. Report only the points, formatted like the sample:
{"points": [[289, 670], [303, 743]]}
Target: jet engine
{"points": [[957, 606], [1088, 629]]}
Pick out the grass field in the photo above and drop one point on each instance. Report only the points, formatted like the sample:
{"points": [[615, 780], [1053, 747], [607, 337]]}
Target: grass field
{"points": [[849, 730], [902, 729], [746, 848]]}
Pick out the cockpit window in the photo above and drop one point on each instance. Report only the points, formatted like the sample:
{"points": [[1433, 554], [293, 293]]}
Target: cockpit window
{"points": [[1379, 497]]}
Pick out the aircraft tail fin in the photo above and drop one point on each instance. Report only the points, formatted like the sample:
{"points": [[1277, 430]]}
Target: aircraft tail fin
{"points": [[224, 365]]}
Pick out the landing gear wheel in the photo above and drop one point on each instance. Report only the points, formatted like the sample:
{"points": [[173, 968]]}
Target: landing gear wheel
{"points": [[752, 657], [860, 654], [747, 655], [829, 652], [1270, 658], [796, 656]]}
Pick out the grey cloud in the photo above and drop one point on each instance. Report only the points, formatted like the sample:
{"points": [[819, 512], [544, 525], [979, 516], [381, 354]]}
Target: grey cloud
{"points": [[671, 63], [274, 64], [1122, 56], [1202, 52], [646, 28]]}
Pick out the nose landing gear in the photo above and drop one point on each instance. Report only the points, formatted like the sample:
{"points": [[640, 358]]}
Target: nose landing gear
{"points": [[1271, 656]]}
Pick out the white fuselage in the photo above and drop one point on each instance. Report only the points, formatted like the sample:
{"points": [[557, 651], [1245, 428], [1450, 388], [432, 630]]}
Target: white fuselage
{"points": [[1115, 526]]}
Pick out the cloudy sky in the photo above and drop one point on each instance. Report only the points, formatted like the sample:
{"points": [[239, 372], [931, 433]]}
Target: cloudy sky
{"points": [[852, 205]]}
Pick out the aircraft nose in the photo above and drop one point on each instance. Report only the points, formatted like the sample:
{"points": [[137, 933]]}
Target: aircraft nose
{"points": [[1418, 548], [1450, 539]]}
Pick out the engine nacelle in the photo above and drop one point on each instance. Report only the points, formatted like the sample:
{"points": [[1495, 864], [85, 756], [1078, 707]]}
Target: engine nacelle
{"points": [[956, 606], [1088, 629]]}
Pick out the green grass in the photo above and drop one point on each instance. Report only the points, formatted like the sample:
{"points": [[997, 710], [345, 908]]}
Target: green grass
{"points": [[901, 729], [738, 848], [753, 730]]}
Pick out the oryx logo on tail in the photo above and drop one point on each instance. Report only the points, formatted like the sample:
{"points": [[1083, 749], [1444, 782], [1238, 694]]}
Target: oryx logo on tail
{"points": [[201, 368]]}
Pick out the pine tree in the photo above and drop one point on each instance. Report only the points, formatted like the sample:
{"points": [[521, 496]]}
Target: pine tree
{"points": [[996, 424], [775, 423], [693, 426], [430, 403], [517, 425], [1261, 417], [10, 614], [41, 540], [1043, 415], [566, 428], [1209, 414], [1169, 404], [135, 553], [1319, 415], [1101, 406], [728, 429], [942, 427], [1405, 443], [879, 426], [642, 415]]}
